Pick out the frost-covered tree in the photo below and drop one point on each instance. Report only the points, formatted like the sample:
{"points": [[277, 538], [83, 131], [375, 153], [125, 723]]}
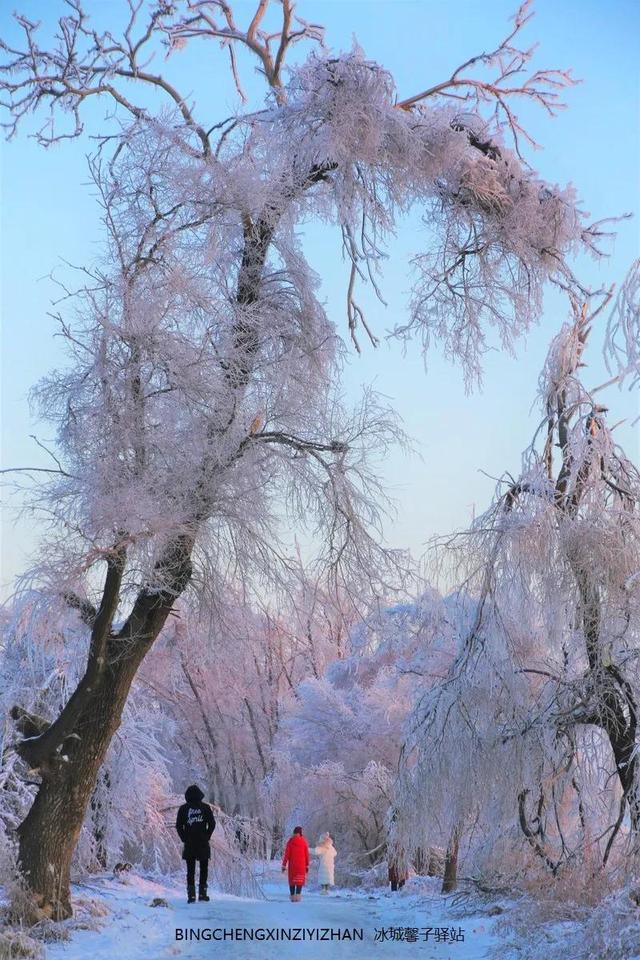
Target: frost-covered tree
{"points": [[340, 739], [200, 414], [534, 730]]}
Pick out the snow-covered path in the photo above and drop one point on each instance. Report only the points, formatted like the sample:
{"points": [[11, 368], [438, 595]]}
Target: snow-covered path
{"points": [[134, 930]]}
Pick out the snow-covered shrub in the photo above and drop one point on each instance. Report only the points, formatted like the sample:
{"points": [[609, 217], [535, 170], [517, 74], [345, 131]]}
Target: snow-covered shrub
{"points": [[557, 930], [15, 944]]}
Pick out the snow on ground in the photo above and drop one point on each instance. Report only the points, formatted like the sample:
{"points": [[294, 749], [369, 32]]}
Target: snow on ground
{"points": [[134, 930]]}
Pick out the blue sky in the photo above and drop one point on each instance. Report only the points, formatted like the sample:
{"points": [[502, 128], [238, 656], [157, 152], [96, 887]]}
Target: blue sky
{"points": [[49, 215]]}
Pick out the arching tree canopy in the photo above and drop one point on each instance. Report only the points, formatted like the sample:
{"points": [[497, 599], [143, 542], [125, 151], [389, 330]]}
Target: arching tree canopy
{"points": [[200, 416]]}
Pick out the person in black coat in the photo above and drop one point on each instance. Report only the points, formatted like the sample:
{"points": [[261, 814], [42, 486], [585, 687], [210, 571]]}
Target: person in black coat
{"points": [[195, 823]]}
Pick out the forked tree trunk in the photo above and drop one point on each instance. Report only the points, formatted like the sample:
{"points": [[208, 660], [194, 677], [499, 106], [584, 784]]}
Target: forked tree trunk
{"points": [[49, 834], [68, 755]]}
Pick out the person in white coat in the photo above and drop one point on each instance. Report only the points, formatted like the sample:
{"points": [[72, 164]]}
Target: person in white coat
{"points": [[326, 851]]}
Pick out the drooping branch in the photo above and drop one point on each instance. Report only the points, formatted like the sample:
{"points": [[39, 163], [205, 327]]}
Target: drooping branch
{"points": [[532, 838], [622, 347]]}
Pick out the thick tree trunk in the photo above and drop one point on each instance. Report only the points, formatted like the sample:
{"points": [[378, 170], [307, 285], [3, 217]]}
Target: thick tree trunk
{"points": [[49, 834], [450, 880]]}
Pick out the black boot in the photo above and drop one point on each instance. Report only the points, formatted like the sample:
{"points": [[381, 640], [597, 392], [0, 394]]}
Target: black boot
{"points": [[191, 893], [202, 893]]}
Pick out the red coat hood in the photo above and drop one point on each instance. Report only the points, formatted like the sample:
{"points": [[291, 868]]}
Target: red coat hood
{"points": [[297, 840]]}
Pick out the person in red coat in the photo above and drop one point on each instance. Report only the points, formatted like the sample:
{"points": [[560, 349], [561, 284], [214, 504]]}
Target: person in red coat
{"points": [[296, 857]]}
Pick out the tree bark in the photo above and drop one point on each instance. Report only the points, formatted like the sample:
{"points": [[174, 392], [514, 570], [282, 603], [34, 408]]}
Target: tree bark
{"points": [[450, 880], [49, 834], [99, 818]]}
